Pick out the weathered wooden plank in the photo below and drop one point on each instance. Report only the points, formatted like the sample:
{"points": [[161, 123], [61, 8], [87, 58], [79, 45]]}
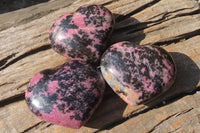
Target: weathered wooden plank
{"points": [[161, 22], [44, 25], [170, 30], [19, 45], [162, 10], [29, 38], [21, 42], [16, 117], [188, 79], [10, 19], [113, 108], [128, 7], [179, 116], [27, 51]]}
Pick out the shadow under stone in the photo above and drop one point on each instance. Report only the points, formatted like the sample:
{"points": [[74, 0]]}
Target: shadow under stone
{"points": [[187, 79], [112, 106]]}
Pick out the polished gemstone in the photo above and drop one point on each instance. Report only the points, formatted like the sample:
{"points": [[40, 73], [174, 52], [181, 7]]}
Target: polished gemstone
{"points": [[84, 34], [66, 95], [137, 73]]}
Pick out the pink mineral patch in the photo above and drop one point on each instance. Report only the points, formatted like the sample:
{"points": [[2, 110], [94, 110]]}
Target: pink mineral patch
{"points": [[79, 20], [53, 86], [57, 117], [35, 79]]}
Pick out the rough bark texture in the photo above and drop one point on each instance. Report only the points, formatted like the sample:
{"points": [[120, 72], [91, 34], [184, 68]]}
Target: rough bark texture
{"points": [[172, 24]]}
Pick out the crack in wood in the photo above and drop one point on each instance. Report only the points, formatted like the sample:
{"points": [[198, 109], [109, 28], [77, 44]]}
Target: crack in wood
{"points": [[5, 60], [175, 39], [173, 115], [163, 19], [178, 38], [167, 14], [42, 125], [183, 112], [47, 126], [145, 110], [108, 3], [6, 83], [34, 51], [175, 130], [123, 17], [13, 88], [12, 99], [22, 85], [161, 123], [36, 125], [143, 25], [187, 14]]}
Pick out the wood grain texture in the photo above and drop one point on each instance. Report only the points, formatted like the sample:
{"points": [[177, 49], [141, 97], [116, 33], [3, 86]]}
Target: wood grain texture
{"points": [[31, 13], [161, 22], [174, 24], [179, 116]]}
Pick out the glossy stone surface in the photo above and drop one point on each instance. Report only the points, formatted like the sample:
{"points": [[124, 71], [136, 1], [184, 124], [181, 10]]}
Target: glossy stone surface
{"points": [[67, 95], [137, 73], [84, 34]]}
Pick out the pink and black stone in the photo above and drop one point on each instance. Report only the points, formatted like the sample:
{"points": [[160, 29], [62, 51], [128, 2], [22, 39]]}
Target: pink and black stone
{"points": [[67, 95], [84, 34], [137, 73]]}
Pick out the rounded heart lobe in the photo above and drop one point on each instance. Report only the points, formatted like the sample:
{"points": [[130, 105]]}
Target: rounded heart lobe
{"points": [[137, 73], [84, 34], [67, 95]]}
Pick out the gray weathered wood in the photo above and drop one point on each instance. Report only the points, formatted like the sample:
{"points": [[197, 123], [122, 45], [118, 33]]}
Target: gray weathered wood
{"points": [[174, 24]]}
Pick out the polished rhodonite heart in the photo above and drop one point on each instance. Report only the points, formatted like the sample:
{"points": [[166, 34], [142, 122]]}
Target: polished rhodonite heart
{"points": [[84, 34], [67, 95], [137, 73]]}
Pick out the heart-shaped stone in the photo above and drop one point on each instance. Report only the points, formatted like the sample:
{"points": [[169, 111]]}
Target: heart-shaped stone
{"points": [[137, 73], [67, 95], [84, 34]]}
